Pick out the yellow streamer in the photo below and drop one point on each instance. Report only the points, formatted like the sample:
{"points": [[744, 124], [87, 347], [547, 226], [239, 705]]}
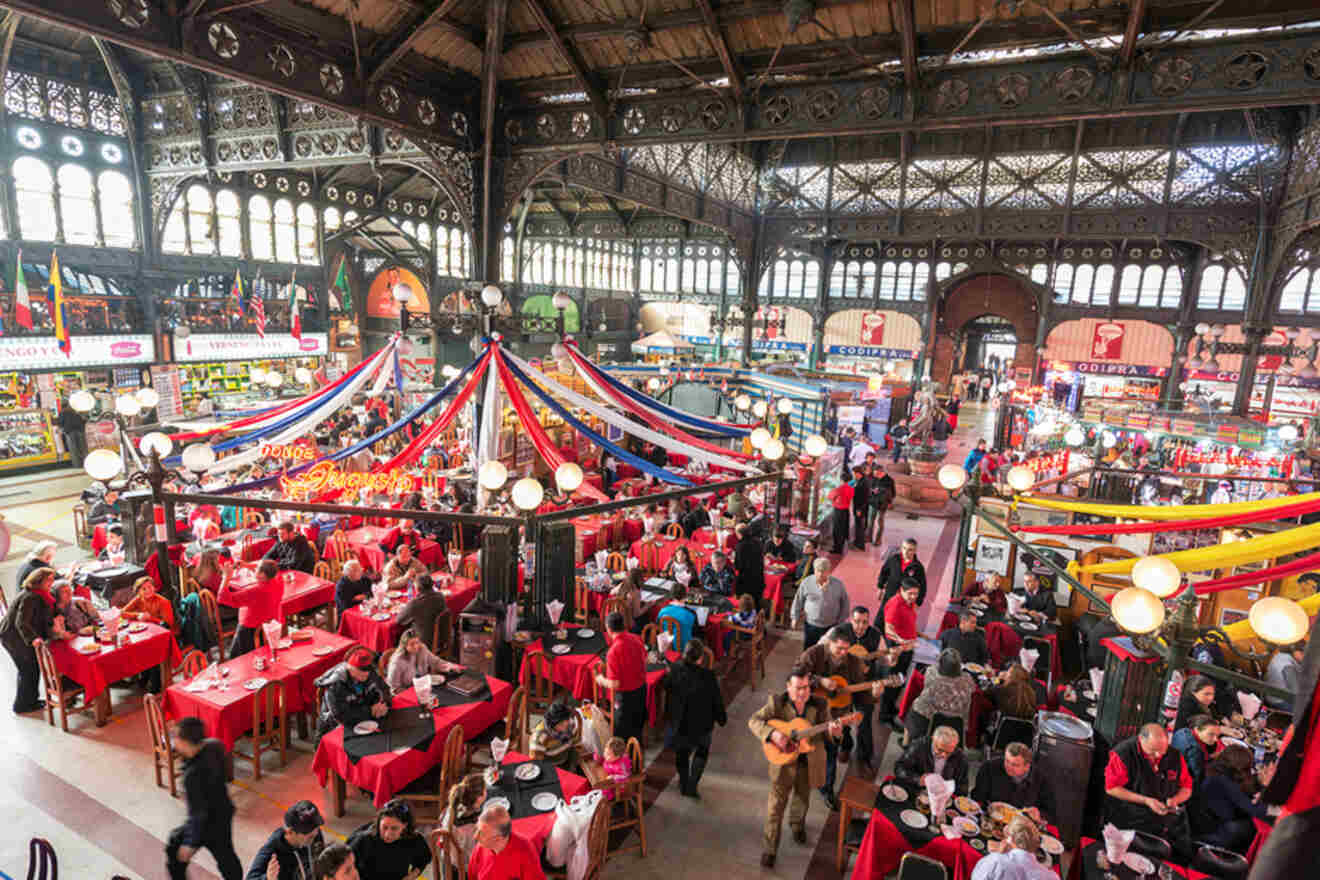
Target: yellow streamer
{"points": [[1224, 555], [1242, 630], [1167, 514]]}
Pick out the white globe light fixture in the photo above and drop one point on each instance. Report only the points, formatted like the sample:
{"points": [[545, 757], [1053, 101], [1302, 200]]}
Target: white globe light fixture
{"points": [[558, 351], [156, 442], [303, 375], [1137, 611], [664, 371], [568, 477], [1288, 433], [148, 397], [773, 450], [561, 300], [1109, 439], [759, 409], [1203, 329], [102, 465], [492, 475], [1278, 620], [815, 446], [743, 402], [274, 379], [491, 296], [527, 494], [257, 376], [758, 438], [784, 406], [449, 371], [952, 477], [1075, 436], [82, 401], [127, 405], [402, 293], [653, 383], [198, 457], [1020, 478], [1157, 575]]}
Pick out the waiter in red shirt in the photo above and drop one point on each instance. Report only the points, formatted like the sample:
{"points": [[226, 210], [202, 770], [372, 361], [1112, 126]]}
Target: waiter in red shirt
{"points": [[256, 605], [1146, 784], [841, 498], [625, 674], [900, 614], [500, 854]]}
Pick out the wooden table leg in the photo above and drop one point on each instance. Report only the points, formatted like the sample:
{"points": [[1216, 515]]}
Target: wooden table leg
{"points": [[338, 791], [101, 707], [845, 816]]}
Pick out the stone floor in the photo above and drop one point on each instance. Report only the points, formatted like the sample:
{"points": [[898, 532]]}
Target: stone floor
{"points": [[92, 794]]}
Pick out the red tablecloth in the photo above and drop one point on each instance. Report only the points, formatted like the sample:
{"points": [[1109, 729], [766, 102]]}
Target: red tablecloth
{"points": [[706, 535], [950, 620], [1085, 858], [228, 713], [535, 829], [1263, 830], [774, 586], [302, 591], [654, 556], [388, 772], [981, 706], [378, 635], [95, 672], [261, 542]]}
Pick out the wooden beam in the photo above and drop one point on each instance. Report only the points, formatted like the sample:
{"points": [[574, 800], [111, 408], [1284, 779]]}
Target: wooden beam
{"points": [[721, 46], [569, 56], [400, 43], [1136, 14], [905, 14]]}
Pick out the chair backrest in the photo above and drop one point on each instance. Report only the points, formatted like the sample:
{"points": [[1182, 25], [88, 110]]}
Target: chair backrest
{"points": [[613, 604], [1013, 730], [212, 609], [939, 719], [42, 864], [598, 841], [649, 633], [535, 679], [670, 625], [918, 867], [1044, 665], [188, 585], [50, 675], [471, 568], [446, 855], [616, 562], [650, 560], [674, 530], [707, 660], [453, 761], [323, 570], [383, 664], [581, 599], [156, 726], [515, 721], [4, 603], [336, 546], [192, 663], [268, 710], [253, 518]]}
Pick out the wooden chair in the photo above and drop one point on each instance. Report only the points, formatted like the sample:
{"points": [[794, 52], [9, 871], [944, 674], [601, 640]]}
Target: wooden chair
{"points": [[515, 721], [649, 633], [602, 696], [188, 585], [669, 625], [60, 691], [42, 864], [471, 569], [324, 571], [253, 519], [613, 604], [337, 549], [650, 560], [707, 660], [452, 766], [598, 844], [4, 603], [383, 664], [616, 561], [81, 530], [212, 609], [270, 726], [581, 601], [193, 663], [673, 530], [627, 805], [163, 753], [535, 678], [751, 649], [456, 460], [446, 857]]}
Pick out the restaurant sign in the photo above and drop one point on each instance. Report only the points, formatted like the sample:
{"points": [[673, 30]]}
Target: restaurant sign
{"points": [[326, 476], [1120, 369], [43, 352], [248, 346], [872, 351]]}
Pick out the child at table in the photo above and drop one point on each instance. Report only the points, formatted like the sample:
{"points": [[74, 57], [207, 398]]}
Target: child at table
{"points": [[744, 617], [615, 762]]}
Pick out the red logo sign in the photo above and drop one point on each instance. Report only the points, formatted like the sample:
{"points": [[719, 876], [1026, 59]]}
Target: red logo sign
{"points": [[125, 349], [308, 344], [873, 328], [1107, 341], [1272, 362]]}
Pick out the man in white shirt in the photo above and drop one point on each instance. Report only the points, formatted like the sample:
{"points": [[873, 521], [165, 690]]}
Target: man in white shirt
{"points": [[1014, 858], [1285, 671], [861, 448]]}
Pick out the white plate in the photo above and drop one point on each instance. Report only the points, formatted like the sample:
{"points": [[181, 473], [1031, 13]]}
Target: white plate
{"points": [[381, 616], [1030, 627], [527, 772], [544, 802], [913, 819], [1051, 845], [1090, 710], [137, 628], [895, 793], [966, 827], [584, 633], [977, 844], [1232, 741], [497, 801], [254, 684], [323, 650], [1139, 863], [561, 649], [284, 643], [364, 727]]}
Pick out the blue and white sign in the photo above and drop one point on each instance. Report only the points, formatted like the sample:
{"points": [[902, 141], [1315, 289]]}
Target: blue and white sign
{"points": [[757, 344], [871, 351]]}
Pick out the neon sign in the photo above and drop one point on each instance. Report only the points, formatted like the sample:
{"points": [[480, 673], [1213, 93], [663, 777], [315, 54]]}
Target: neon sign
{"points": [[291, 452], [326, 476]]}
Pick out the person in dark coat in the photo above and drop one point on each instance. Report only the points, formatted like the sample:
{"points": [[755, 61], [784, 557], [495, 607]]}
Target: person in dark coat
{"points": [[1145, 781], [42, 555], [781, 547], [389, 847], [294, 846], [291, 550], [941, 753], [1226, 804], [900, 565], [1197, 742], [967, 640], [352, 587], [748, 563], [1014, 779], [31, 618], [882, 496], [422, 612], [354, 692], [73, 425], [861, 506], [210, 823], [1198, 698], [105, 509], [697, 705], [1039, 599]]}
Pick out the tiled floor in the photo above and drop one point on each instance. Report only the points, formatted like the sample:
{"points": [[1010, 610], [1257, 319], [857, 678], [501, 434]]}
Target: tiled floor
{"points": [[92, 792]]}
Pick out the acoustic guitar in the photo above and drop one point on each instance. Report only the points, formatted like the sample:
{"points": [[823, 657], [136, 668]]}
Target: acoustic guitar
{"points": [[841, 696], [857, 649], [799, 735]]}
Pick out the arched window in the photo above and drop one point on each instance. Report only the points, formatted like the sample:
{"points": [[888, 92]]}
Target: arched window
{"points": [[905, 281], [260, 231], [837, 282], [308, 251], [1040, 273], [34, 190], [506, 252], [1063, 277], [457, 254], [175, 239], [671, 275], [1212, 287], [943, 271], [888, 279], [407, 228], [201, 229], [689, 274], [332, 219], [1171, 294], [644, 282], [116, 196], [1081, 292], [1235, 291], [1152, 281], [77, 209], [732, 277], [702, 277], [779, 285], [1129, 285], [920, 281], [795, 278], [811, 280], [1313, 299], [286, 238], [228, 215], [866, 283]]}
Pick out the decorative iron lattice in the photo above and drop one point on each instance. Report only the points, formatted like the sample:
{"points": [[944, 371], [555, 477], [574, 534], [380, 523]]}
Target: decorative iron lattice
{"points": [[45, 99]]}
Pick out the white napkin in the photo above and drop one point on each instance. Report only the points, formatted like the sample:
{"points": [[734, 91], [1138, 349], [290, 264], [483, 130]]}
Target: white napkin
{"points": [[1028, 658], [1250, 704], [633, 562], [1015, 603], [1117, 842], [683, 576], [422, 688], [455, 560], [602, 557], [950, 832], [663, 641], [940, 792], [1097, 680], [272, 630], [498, 749], [555, 609]]}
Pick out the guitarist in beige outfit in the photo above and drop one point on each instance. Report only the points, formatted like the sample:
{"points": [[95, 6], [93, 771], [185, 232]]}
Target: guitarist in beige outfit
{"points": [[796, 778]]}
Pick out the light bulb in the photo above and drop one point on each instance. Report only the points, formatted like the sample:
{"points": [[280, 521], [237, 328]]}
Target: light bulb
{"points": [[1109, 439], [568, 476], [759, 409], [743, 402], [198, 457], [148, 397], [952, 477], [1202, 329], [157, 442], [402, 293], [1288, 433], [561, 300], [1137, 611], [491, 296], [127, 405], [82, 401], [102, 464], [303, 375], [1020, 478], [492, 475], [815, 446], [1157, 575], [653, 383], [527, 494], [1075, 436], [274, 379], [758, 438], [784, 406], [1278, 620], [773, 450]]}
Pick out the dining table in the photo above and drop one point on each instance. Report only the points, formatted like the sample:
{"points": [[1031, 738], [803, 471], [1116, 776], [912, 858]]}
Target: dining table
{"points": [[408, 743], [376, 626], [532, 822], [981, 707], [96, 665], [221, 694], [365, 542], [1005, 650], [1087, 864], [901, 822], [253, 543], [303, 592]]}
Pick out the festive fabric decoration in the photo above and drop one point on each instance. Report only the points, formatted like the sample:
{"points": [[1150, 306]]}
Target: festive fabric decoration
{"points": [[476, 370], [1221, 555], [1167, 514], [1210, 522], [1259, 576]]}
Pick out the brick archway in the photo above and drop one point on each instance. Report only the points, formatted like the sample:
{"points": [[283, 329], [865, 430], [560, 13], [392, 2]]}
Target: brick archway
{"points": [[966, 300]]}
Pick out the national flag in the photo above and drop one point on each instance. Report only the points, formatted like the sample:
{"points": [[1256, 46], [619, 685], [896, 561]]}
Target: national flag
{"points": [[237, 293], [295, 313], [22, 305], [341, 284], [58, 308], [257, 306]]}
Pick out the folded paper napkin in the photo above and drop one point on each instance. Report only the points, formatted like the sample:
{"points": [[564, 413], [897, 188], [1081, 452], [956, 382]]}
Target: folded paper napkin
{"points": [[950, 832], [633, 562], [498, 749], [1250, 704], [1028, 658], [602, 557], [940, 791], [1015, 603], [683, 576], [555, 609], [1097, 680], [663, 641], [271, 628], [1117, 842]]}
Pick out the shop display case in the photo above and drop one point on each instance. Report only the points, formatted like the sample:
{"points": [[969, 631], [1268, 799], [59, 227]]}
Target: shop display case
{"points": [[26, 439]]}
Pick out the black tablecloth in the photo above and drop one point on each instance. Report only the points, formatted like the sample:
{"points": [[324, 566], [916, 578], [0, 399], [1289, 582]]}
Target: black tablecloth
{"points": [[892, 810], [401, 728], [443, 696], [594, 645], [1092, 871], [1081, 703], [520, 793]]}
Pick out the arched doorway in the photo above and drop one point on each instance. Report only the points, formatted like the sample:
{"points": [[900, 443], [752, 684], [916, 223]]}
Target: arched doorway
{"points": [[977, 312]]}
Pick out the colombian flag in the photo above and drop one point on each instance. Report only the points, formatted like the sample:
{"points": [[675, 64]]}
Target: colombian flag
{"points": [[58, 308]]}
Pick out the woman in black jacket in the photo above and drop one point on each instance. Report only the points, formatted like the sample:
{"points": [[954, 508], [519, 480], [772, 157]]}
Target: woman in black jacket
{"points": [[1226, 803], [696, 706], [389, 847], [30, 618], [1198, 698]]}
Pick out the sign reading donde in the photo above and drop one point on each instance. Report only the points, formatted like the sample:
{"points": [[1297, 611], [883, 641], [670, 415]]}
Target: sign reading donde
{"points": [[43, 352], [326, 476], [237, 347]]}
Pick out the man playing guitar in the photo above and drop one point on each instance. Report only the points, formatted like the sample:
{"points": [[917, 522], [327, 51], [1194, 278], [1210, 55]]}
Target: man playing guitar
{"points": [[828, 662], [795, 778]]}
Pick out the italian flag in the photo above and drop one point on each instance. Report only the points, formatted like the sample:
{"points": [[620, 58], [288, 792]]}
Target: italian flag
{"points": [[295, 313], [22, 305]]}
